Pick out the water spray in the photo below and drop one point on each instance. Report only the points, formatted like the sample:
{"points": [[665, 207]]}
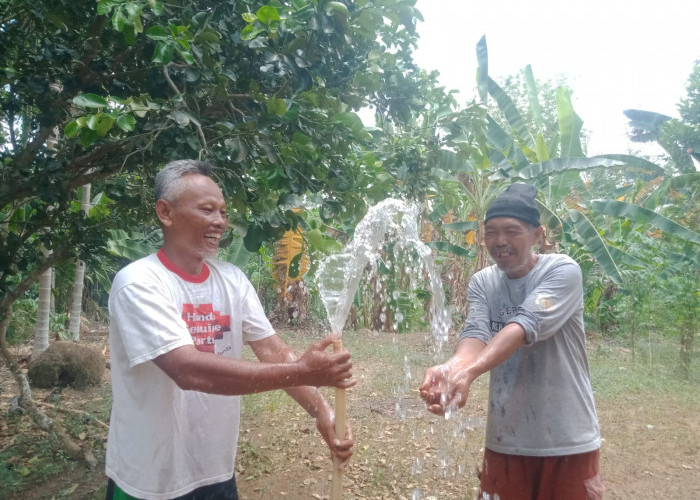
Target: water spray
{"points": [[338, 278]]}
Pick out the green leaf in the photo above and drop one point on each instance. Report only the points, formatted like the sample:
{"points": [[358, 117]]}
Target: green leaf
{"points": [[541, 148], [134, 12], [276, 107], [590, 239], [625, 258], [126, 122], [570, 125], [163, 53], [106, 6], [131, 246], [293, 269], [92, 121], [447, 247], [249, 17], [462, 227], [89, 101], [337, 7], [532, 96], [511, 113], [318, 242], [104, 125], [641, 215], [209, 35], [186, 55], [482, 78], [156, 7], [559, 165], [182, 118], [236, 252], [87, 137], [119, 20], [72, 129], [354, 123], [250, 32], [158, 33], [267, 14]]}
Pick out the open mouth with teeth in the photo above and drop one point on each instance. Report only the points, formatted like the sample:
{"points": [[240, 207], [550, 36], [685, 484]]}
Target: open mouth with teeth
{"points": [[505, 252], [212, 237]]}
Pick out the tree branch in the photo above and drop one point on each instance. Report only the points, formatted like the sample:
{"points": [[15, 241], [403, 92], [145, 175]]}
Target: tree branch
{"points": [[171, 84], [26, 156], [74, 411]]}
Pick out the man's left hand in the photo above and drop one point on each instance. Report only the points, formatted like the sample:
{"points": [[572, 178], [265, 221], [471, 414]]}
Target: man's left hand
{"points": [[340, 446]]}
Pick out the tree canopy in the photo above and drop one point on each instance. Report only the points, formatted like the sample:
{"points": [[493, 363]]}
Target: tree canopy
{"points": [[106, 92]]}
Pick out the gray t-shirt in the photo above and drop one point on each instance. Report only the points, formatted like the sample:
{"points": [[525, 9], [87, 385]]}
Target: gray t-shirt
{"points": [[540, 399]]}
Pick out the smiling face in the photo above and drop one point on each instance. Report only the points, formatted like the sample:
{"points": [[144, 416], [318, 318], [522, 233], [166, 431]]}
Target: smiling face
{"points": [[509, 242], [193, 222]]}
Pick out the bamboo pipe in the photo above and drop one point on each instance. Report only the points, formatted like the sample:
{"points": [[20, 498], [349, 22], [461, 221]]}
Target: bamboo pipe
{"points": [[340, 422]]}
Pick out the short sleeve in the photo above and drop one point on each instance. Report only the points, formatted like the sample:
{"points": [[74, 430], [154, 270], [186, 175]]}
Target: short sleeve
{"points": [[551, 303], [146, 321], [255, 325], [478, 324]]}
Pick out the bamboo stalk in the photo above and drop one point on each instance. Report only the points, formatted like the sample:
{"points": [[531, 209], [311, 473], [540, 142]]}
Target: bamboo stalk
{"points": [[340, 422]]}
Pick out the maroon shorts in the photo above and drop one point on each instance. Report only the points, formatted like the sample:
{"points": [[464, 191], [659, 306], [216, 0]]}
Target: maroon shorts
{"points": [[516, 477]]}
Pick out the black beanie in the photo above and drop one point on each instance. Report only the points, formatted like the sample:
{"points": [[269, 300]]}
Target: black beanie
{"points": [[518, 201]]}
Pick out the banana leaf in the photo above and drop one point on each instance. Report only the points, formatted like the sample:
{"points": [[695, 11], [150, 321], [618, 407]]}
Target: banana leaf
{"points": [[235, 252], [133, 245], [570, 125], [511, 113], [532, 96], [590, 239], [482, 78], [624, 258], [462, 226], [641, 215], [558, 165], [444, 246], [678, 182]]}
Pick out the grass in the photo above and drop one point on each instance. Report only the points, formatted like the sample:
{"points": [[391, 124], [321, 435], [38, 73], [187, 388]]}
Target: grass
{"points": [[618, 368], [640, 394], [30, 460]]}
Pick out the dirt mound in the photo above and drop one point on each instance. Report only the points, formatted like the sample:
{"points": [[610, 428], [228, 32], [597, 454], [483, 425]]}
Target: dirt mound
{"points": [[66, 363]]}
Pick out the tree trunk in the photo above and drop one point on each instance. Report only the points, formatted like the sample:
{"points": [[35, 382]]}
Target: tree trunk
{"points": [[41, 333], [76, 309]]}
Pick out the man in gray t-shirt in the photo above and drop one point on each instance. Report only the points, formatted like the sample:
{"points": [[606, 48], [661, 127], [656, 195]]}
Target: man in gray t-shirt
{"points": [[525, 327]]}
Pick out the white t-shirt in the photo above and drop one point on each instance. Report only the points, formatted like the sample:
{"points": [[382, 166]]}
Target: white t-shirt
{"points": [[164, 442], [540, 399]]}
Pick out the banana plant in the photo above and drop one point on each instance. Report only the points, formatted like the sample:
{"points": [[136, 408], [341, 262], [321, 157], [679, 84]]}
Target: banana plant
{"points": [[518, 155]]}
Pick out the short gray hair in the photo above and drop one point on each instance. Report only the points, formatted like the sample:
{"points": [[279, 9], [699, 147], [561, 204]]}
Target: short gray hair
{"points": [[168, 186]]}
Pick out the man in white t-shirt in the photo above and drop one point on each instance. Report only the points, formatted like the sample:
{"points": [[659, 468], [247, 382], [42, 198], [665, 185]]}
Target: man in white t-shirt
{"points": [[178, 321], [525, 327]]}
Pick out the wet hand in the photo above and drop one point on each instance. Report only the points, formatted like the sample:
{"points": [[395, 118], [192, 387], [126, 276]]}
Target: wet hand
{"points": [[322, 368], [341, 448], [444, 388]]}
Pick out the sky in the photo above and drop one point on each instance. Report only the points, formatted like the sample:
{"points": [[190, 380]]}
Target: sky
{"points": [[615, 54]]}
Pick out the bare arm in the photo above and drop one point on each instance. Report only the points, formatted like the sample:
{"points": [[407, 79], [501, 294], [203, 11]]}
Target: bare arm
{"points": [[447, 386], [191, 369], [273, 349]]}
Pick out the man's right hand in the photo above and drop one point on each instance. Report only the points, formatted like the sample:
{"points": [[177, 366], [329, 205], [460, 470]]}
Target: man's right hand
{"points": [[322, 368], [445, 387]]}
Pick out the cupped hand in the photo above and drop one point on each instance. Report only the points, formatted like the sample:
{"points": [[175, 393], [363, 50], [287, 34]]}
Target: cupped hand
{"points": [[444, 388]]}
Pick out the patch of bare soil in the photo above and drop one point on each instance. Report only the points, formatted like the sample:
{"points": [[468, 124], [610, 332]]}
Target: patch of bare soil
{"points": [[651, 443]]}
